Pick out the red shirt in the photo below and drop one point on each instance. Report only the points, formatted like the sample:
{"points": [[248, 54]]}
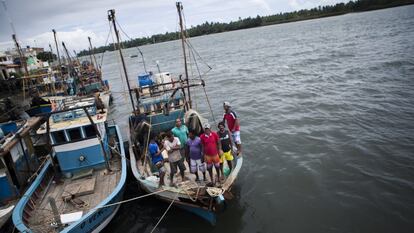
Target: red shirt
{"points": [[210, 143], [231, 118]]}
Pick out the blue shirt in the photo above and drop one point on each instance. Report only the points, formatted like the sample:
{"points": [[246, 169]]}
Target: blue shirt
{"points": [[153, 150]]}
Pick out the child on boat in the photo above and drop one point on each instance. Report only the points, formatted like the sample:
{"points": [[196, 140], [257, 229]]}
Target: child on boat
{"points": [[172, 145], [211, 150], [226, 146], [193, 151], [157, 159]]}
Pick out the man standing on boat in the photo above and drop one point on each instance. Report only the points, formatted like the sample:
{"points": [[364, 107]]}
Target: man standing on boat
{"points": [[211, 150], [157, 159], [181, 131], [173, 145], [233, 124], [226, 146], [194, 152]]}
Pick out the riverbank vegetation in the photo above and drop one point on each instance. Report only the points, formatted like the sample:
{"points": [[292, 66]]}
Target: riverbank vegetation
{"points": [[250, 22]]}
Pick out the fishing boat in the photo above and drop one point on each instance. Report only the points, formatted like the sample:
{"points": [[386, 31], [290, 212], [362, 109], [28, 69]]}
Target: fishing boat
{"points": [[70, 79], [83, 175], [19, 163], [157, 101]]}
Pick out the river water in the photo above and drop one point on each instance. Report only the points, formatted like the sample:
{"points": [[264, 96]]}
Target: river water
{"points": [[327, 122]]}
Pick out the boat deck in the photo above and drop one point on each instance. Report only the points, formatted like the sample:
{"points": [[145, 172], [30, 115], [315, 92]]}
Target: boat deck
{"points": [[90, 190], [177, 177]]}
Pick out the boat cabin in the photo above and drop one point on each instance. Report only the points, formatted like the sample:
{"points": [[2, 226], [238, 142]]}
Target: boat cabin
{"points": [[18, 161], [160, 100], [74, 140]]}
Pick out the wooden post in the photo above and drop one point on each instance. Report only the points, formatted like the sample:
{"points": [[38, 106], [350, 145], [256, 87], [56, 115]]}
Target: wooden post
{"points": [[56, 215]]}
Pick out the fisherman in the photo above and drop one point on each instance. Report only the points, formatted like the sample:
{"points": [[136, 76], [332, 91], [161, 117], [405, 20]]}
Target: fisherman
{"points": [[194, 152], [173, 145], [181, 131], [226, 146], [233, 125], [99, 104], [157, 159], [211, 150]]}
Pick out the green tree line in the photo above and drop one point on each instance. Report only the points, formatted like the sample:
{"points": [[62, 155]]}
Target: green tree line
{"points": [[215, 27]]}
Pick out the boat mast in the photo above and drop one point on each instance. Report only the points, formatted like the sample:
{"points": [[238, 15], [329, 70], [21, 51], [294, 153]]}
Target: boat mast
{"points": [[179, 10], [77, 58], [111, 18], [57, 52], [92, 50], [51, 53], [22, 62], [67, 53]]}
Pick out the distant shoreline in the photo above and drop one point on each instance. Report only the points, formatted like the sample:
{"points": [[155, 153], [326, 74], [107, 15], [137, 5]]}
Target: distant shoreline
{"points": [[260, 21]]}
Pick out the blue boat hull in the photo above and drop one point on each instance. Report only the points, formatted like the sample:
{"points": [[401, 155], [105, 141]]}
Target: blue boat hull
{"points": [[207, 215], [95, 220]]}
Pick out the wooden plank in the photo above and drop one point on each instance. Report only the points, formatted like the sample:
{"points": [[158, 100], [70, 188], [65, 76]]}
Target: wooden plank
{"points": [[79, 188]]}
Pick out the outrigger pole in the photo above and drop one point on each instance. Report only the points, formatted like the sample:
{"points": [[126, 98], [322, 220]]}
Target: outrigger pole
{"points": [[111, 18], [179, 10], [22, 62]]}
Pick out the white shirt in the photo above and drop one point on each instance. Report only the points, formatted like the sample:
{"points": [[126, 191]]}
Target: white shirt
{"points": [[173, 155]]}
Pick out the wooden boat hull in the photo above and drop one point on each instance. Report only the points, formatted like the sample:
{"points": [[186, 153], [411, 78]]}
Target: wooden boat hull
{"points": [[182, 200], [93, 221]]}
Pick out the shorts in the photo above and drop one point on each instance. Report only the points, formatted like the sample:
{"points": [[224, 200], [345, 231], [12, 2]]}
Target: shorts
{"points": [[160, 167], [196, 163], [179, 164], [236, 137], [226, 155], [212, 159], [182, 152]]}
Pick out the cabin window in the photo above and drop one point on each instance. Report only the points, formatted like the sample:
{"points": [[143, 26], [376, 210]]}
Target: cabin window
{"points": [[89, 131], [74, 134], [59, 136], [177, 103], [158, 107]]}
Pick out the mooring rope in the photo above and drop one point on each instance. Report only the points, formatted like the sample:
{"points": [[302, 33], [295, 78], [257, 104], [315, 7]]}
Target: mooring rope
{"points": [[131, 199], [162, 217]]}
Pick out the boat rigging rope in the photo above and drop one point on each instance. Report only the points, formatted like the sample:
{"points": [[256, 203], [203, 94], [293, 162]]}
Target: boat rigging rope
{"points": [[139, 50], [162, 217], [119, 66], [106, 43], [192, 50]]}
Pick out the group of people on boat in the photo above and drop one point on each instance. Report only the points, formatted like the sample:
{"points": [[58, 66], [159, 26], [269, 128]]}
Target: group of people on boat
{"points": [[201, 152]]}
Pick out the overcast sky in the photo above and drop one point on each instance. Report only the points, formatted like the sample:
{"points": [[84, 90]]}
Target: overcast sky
{"points": [[75, 20]]}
